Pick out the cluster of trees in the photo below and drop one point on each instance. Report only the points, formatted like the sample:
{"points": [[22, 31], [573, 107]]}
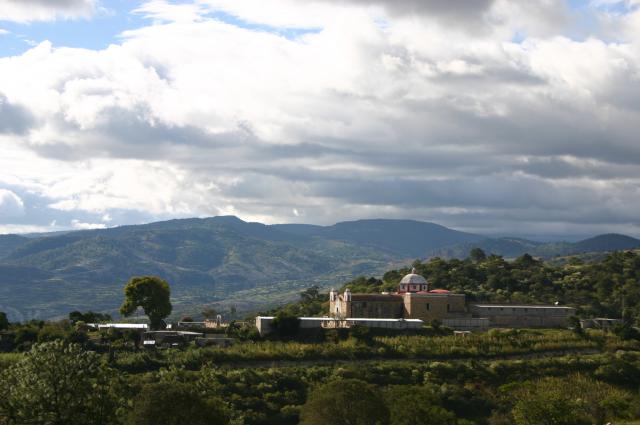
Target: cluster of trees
{"points": [[60, 383]]}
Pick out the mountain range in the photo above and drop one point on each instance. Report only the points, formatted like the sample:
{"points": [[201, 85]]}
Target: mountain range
{"points": [[225, 261]]}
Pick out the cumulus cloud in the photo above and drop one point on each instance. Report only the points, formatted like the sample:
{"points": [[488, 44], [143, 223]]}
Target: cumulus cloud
{"points": [[14, 118], [453, 12], [10, 204], [192, 116], [45, 10], [79, 225]]}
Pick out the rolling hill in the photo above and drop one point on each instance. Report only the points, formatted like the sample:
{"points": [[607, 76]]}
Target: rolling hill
{"points": [[227, 260], [408, 238], [514, 247]]}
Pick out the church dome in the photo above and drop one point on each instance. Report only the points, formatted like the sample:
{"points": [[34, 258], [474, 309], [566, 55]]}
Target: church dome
{"points": [[414, 278]]}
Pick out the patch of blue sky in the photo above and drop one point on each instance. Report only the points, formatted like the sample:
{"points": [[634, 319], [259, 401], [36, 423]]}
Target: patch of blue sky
{"points": [[287, 32], [94, 33], [518, 37], [104, 28], [621, 7]]}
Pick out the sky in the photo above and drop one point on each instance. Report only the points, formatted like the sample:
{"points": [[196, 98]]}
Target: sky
{"points": [[499, 117]]}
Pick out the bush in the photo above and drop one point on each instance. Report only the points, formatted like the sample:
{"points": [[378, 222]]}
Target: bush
{"points": [[577, 400], [285, 325], [175, 403], [57, 383], [425, 406], [345, 402]]}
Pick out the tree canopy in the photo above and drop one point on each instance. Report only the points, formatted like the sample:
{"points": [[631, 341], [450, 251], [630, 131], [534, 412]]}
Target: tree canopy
{"points": [[175, 403], [285, 324], [576, 400], [152, 294], [345, 402], [425, 406], [58, 384]]}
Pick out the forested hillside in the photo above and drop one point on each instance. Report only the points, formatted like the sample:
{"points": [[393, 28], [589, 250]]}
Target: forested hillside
{"points": [[598, 288], [228, 262]]}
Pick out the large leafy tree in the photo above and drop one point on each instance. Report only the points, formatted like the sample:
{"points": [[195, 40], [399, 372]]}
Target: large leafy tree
{"points": [[58, 384], [425, 406], [345, 402], [285, 324], [175, 403], [152, 294]]}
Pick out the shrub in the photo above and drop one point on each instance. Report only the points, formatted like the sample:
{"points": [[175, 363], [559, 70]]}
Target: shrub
{"points": [[345, 402], [175, 404]]}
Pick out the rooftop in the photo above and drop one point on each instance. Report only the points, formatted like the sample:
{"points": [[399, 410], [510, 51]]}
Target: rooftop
{"points": [[521, 306], [376, 297], [352, 319], [414, 278]]}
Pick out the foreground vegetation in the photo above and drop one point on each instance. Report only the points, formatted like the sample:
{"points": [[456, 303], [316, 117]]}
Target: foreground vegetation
{"points": [[61, 374], [61, 383]]}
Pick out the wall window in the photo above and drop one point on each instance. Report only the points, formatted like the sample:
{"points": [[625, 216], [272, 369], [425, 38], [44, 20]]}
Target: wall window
{"points": [[448, 307], [428, 306]]}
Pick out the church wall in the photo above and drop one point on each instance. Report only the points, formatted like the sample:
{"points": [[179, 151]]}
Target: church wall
{"points": [[367, 306], [428, 307], [376, 309], [441, 306], [524, 316]]}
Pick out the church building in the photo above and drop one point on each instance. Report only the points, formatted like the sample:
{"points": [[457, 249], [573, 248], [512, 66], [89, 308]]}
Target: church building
{"points": [[413, 300]]}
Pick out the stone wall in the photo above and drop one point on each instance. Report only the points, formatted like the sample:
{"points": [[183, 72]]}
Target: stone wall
{"points": [[430, 307], [367, 306], [523, 316]]}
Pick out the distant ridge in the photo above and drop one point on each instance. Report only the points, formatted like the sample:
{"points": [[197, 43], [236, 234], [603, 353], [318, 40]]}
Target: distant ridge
{"points": [[404, 237], [513, 247], [606, 242], [8, 243]]}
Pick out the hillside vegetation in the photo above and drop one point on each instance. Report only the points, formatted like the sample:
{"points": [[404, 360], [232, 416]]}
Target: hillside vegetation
{"points": [[226, 262], [501, 377], [597, 289]]}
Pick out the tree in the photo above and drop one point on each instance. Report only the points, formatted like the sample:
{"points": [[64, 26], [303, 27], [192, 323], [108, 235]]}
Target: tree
{"points": [[58, 384], [425, 406], [88, 317], [175, 403], [310, 294], [209, 313], [152, 294], [4, 322], [345, 402], [525, 261], [573, 400], [477, 255], [285, 324]]}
